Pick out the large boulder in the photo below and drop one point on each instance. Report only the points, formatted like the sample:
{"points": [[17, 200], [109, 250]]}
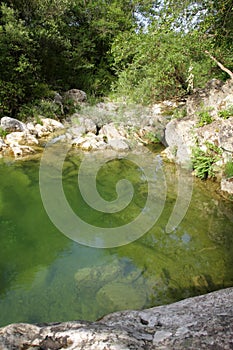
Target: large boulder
{"points": [[10, 124], [203, 322], [76, 95], [179, 140]]}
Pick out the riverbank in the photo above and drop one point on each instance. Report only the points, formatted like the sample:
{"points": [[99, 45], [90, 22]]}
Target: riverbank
{"points": [[196, 132], [203, 322]]}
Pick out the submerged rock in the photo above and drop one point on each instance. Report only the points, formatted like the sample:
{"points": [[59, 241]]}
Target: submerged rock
{"points": [[203, 322], [118, 145], [121, 295]]}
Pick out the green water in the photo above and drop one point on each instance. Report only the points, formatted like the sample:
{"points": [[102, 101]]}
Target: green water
{"points": [[46, 277]]}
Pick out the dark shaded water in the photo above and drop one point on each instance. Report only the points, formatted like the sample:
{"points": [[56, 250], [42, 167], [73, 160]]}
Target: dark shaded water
{"points": [[45, 277]]}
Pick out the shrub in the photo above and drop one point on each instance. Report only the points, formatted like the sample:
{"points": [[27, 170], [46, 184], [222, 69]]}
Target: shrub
{"points": [[203, 161], [229, 169]]}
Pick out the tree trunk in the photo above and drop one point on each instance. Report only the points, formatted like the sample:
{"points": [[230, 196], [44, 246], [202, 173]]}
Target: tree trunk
{"points": [[226, 70]]}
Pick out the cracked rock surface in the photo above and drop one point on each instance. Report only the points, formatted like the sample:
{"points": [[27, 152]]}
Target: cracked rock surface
{"points": [[203, 322]]}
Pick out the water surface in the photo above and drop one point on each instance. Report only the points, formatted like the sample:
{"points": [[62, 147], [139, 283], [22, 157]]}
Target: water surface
{"points": [[46, 277]]}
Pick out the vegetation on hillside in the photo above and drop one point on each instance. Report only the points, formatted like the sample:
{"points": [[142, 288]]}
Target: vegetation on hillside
{"points": [[142, 52]]}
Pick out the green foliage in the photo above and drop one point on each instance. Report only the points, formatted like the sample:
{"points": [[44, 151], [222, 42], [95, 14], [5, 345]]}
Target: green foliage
{"points": [[180, 113], [47, 108], [203, 161], [229, 169], [57, 45], [204, 118], [226, 113], [154, 65], [152, 138], [3, 133], [141, 51]]}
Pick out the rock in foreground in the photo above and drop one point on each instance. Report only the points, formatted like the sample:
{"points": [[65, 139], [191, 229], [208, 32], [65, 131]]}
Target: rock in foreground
{"points": [[203, 322]]}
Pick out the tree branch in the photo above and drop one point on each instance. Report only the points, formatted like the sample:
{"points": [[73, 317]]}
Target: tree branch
{"points": [[226, 70]]}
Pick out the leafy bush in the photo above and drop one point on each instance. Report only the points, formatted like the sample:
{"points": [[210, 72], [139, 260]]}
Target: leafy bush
{"points": [[154, 65], [47, 108], [203, 161]]}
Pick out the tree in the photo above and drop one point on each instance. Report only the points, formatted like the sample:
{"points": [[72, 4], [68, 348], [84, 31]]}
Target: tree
{"points": [[153, 64]]}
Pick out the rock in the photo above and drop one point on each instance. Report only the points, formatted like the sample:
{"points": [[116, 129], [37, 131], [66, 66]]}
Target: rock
{"points": [[203, 322], [77, 131], [47, 126], [11, 124], [226, 135], [89, 142], [19, 150], [118, 145], [94, 277], [180, 140], [227, 185], [121, 296], [215, 96], [31, 128], [51, 125], [40, 131], [2, 144], [21, 138], [76, 95], [58, 100], [88, 124], [110, 132]]}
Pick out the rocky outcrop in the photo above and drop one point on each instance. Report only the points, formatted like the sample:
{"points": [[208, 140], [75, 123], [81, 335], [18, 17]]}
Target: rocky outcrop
{"points": [[208, 125], [21, 142], [203, 322], [216, 96], [104, 126]]}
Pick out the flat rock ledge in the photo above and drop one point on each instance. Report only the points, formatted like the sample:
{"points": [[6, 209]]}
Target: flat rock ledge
{"points": [[203, 322]]}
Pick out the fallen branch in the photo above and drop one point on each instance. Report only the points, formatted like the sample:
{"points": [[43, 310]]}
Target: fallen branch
{"points": [[226, 70]]}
